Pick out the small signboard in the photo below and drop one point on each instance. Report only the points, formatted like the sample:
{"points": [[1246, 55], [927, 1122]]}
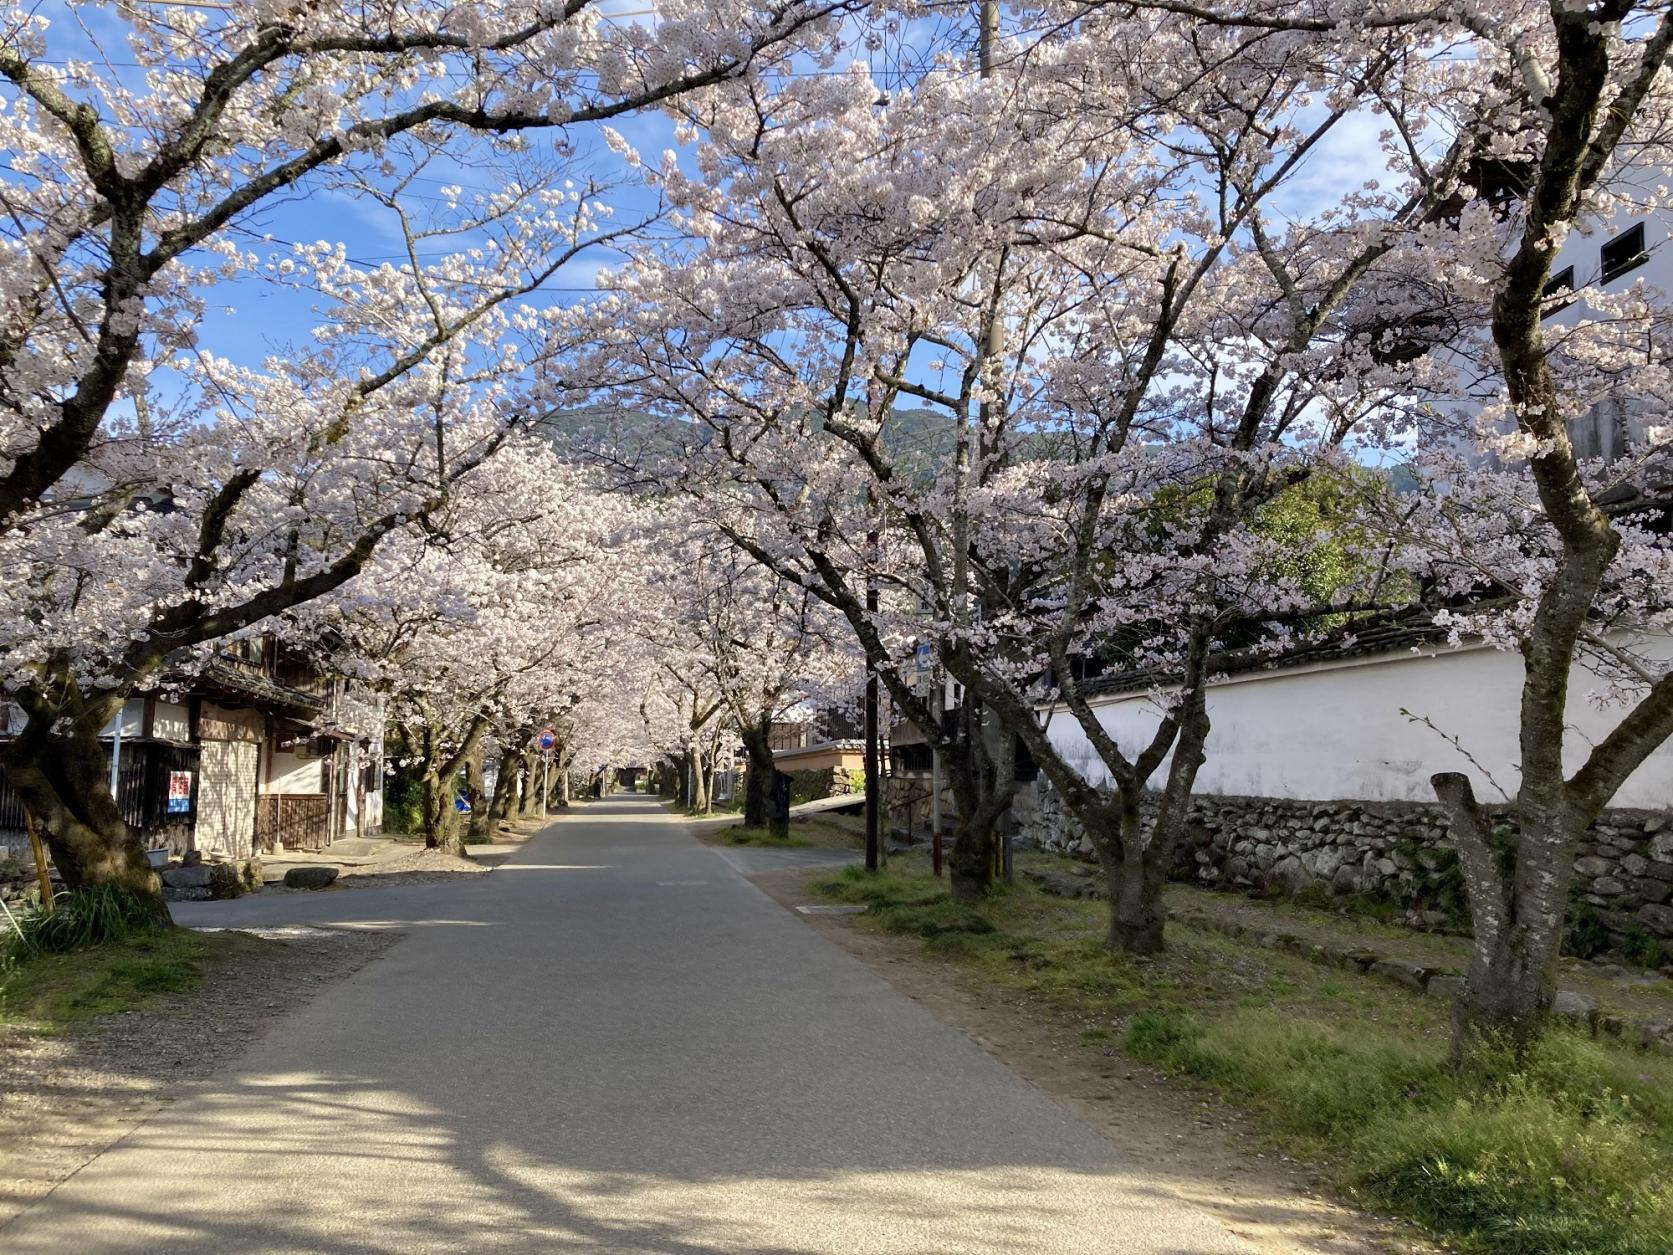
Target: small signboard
{"points": [[922, 654], [547, 739], [179, 793], [462, 804]]}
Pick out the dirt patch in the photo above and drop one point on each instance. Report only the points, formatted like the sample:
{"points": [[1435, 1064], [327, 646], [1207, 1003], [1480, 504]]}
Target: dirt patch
{"points": [[417, 868], [1207, 1152], [65, 1099]]}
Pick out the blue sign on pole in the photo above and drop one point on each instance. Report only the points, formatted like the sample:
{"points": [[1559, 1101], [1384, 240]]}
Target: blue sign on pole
{"points": [[547, 739], [923, 657], [462, 804]]}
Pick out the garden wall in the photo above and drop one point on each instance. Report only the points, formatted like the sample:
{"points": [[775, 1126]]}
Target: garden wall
{"points": [[1400, 853]]}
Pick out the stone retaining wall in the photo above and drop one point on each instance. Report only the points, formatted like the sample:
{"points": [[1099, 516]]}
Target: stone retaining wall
{"points": [[1400, 853], [822, 782]]}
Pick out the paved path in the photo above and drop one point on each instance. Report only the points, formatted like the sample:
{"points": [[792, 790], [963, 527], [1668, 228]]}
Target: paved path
{"points": [[612, 1043]]}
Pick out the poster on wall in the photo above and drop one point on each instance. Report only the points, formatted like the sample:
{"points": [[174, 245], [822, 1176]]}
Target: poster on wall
{"points": [[179, 792]]}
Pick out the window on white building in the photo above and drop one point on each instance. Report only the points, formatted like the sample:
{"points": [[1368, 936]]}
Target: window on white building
{"points": [[1625, 252]]}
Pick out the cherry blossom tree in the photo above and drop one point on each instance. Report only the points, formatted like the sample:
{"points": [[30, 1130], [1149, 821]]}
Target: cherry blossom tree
{"points": [[762, 646], [1558, 556], [1119, 372], [485, 623], [1520, 124], [154, 498]]}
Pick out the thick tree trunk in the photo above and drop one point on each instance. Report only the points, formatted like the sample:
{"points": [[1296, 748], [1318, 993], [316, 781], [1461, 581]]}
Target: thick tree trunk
{"points": [[441, 832], [1517, 920], [528, 799], [62, 774], [758, 783], [983, 786], [505, 789], [983, 790], [477, 828], [1138, 914], [698, 794], [970, 861], [1134, 877], [557, 780], [442, 829]]}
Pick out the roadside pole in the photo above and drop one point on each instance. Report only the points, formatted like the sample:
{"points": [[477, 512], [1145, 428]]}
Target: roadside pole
{"points": [[545, 742], [874, 782], [116, 755], [935, 806], [39, 851]]}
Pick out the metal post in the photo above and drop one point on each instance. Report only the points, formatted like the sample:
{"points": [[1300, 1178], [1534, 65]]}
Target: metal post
{"points": [[874, 791], [936, 795], [39, 851], [874, 782], [545, 781], [116, 753]]}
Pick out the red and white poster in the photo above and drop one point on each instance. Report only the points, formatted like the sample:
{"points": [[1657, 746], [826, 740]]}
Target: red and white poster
{"points": [[179, 792]]}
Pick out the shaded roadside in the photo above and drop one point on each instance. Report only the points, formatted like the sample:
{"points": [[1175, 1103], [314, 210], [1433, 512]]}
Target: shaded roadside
{"points": [[69, 1092]]}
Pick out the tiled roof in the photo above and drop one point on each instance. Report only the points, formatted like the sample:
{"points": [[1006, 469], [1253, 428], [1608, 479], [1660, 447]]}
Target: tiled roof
{"points": [[1402, 635]]}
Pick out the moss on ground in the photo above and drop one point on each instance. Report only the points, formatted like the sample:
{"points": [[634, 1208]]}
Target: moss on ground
{"points": [[55, 991], [757, 836], [1568, 1153], [821, 833]]}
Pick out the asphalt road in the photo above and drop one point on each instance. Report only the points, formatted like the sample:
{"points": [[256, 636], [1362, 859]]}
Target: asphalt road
{"points": [[612, 1043]]}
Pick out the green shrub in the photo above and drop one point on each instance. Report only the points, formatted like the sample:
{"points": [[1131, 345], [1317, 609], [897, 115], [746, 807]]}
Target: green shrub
{"points": [[1643, 949], [1586, 937], [89, 917], [403, 803]]}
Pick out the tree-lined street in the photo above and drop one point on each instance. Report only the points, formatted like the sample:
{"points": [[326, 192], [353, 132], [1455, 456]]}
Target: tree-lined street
{"points": [[1088, 454], [614, 1043]]}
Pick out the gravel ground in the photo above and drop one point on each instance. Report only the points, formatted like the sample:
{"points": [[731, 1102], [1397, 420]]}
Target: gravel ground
{"points": [[421, 867], [64, 1099]]}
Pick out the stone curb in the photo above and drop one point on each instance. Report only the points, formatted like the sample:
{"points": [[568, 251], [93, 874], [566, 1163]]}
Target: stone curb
{"points": [[1577, 1009]]}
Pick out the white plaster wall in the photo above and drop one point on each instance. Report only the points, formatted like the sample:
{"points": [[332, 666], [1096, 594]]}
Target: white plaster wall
{"points": [[286, 773], [170, 721], [132, 718], [1337, 732]]}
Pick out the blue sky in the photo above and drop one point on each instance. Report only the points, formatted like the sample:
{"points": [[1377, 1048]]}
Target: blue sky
{"points": [[251, 317]]}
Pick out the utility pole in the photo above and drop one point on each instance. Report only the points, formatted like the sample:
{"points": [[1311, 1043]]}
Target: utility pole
{"points": [[874, 772]]}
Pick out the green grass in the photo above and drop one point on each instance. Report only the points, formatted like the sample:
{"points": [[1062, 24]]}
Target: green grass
{"points": [[87, 917], [759, 836], [55, 991], [1568, 1153]]}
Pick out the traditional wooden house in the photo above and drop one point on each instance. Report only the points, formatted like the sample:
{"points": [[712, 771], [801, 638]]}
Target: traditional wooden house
{"points": [[241, 757]]}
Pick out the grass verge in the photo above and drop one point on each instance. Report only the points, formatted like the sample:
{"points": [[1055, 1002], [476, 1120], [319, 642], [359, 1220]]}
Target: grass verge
{"points": [[52, 992], [758, 836], [1569, 1153]]}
